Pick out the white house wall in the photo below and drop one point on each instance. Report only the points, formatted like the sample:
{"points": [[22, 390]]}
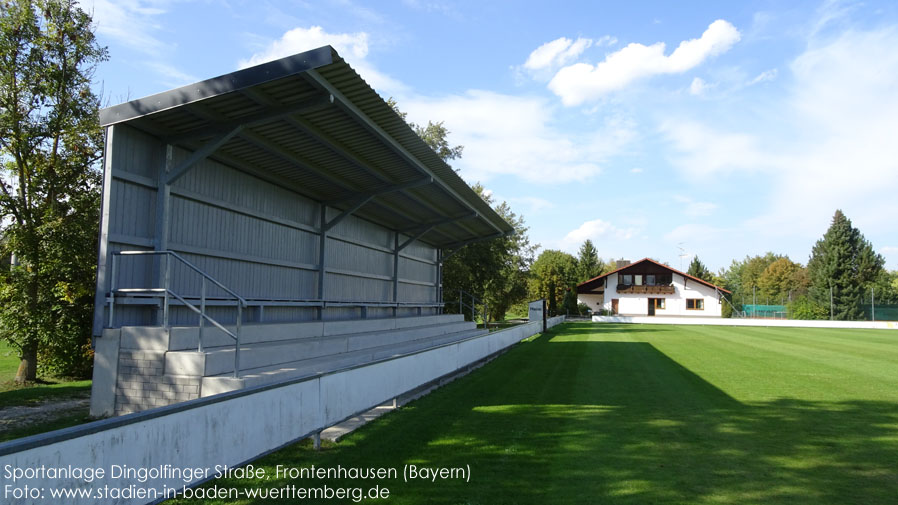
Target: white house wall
{"points": [[675, 304]]}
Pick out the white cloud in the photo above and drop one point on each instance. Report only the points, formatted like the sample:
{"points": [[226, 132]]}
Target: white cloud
{"points": [[532, 203], [606, 40], [556, 53], [515, 135], [694, 234], [767, 75], [172, 76], [698, 86], [704, 151], [583, 82], [596, 230], [694, 208], [353, 47], [636, 170], [831, 146], [129, 22]]}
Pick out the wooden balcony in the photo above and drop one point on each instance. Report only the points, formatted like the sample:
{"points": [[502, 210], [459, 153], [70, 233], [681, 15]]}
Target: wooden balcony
{"points": [[648, 290]]}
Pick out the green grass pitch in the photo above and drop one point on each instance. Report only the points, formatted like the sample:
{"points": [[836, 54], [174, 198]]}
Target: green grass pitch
{"points": [[644, 414]]}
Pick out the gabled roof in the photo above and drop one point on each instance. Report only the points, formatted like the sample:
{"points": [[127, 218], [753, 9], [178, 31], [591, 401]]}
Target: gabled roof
{"points": [[587, 285], [309, 122]]}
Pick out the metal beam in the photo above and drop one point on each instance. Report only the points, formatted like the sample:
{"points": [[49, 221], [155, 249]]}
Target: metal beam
{"points": [[321, 253], [251, 169], [350, 108], [441, 222], [395, 271], [459, 245], [291, 157], [228, 83], [413, 238], [223, 124], [346, 213], [201, 154], [389, 189]]}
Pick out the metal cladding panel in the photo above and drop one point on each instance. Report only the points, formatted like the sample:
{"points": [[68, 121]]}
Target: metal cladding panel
{"points": [[420, 251], [362, 231], [210, 227], [225, 184], [141, 154], [416, 271], [416, 293], [132, 210], [346, 256], [353, 288]]}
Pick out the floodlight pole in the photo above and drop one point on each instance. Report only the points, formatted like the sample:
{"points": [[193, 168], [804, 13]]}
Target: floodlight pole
{"points": [[872, 304]]}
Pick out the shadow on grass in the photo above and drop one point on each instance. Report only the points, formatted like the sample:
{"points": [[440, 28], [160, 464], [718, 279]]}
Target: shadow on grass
{"points": [[35, 394], [566, 421]]}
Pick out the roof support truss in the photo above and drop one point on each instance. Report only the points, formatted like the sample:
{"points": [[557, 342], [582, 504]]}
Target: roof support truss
{"points": [[317, 80]]}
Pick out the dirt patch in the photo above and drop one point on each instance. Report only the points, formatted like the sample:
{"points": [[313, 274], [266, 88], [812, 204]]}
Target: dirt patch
{"points": [[12, 418]]}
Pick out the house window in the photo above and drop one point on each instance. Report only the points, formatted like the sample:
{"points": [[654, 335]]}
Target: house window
{"points": [[638, 279], [650, 280], [626, 280], [659, 303], [695, 304]]}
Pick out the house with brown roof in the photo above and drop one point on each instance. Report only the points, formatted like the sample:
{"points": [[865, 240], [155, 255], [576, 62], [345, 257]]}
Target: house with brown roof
{"points": [[649, 288]]}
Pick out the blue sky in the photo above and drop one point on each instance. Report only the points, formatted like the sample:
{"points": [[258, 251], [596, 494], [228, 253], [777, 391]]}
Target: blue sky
{"points": [[717, 129]]}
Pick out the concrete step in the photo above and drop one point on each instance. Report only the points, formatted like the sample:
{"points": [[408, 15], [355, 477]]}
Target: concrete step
{"points": [[219, 361], [187, 338], [311, 366]]}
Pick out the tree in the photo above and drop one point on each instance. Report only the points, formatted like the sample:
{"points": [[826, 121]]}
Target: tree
{"points": [[552, 273], [588, 263], [494, 270], [698, 269], [50, 141], [843, 261], [782, 280], [436, 135]]}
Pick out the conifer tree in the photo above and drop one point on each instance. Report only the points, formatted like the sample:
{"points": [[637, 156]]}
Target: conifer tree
{"points": [[698, 269], [844, 261], [588, 263]]}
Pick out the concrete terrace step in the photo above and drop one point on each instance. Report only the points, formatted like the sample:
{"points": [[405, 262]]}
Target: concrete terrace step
{"points": [[285, 371], [187, 338], [262, 354]]}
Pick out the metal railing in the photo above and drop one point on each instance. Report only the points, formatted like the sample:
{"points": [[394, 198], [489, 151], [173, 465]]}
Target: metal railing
{"points": [[166, 293], [462, 303]]}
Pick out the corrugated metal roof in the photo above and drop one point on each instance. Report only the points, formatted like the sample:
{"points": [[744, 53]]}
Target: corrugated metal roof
{"points": [[311, 121]]}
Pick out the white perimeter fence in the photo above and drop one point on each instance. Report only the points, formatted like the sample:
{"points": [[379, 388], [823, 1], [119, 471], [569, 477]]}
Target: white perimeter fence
{"points": [[719, 321]]}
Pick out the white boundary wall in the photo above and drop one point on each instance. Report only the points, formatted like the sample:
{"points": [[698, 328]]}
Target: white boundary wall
{"points": [[227, 429], [714, 321]]}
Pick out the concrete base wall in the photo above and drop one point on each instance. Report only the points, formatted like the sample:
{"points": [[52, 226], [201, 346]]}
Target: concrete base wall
{"points": [[227, 429], [714, 321]]}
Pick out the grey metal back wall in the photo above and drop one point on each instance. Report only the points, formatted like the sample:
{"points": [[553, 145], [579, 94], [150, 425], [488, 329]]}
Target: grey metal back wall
{"points": [[256, 237]]}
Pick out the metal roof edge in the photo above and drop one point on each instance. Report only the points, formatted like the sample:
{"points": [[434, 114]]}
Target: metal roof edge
{"points": [[220, 85]]}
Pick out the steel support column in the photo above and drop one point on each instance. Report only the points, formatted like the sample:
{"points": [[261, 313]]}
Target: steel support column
{"points": [[322, 248], [163, 222], [396, 273], [103, 285]]}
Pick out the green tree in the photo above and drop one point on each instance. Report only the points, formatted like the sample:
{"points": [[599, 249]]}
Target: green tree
{"points": [[782, 280], [50, 141], [843, 261], [805, 308], [551, 274], [588, 263], [698, 269], [435, 134]]}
